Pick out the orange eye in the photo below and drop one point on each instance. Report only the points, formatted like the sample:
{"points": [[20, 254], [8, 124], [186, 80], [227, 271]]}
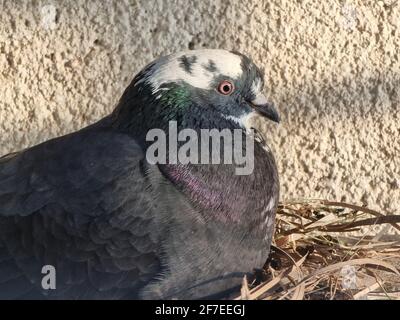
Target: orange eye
{"points": [[225, 87]]}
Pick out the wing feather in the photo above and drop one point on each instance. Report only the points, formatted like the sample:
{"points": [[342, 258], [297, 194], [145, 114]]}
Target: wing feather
{"points": [[83, 204]]}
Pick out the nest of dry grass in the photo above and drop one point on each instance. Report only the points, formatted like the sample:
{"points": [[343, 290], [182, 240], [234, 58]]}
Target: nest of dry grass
{"points": [[330, 250]]}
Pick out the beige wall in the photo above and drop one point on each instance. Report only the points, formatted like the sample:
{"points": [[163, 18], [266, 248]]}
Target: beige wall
{"points": [[332, 69]]}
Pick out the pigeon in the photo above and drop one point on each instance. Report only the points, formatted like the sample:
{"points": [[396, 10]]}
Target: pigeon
{"points": [[88, 216]]}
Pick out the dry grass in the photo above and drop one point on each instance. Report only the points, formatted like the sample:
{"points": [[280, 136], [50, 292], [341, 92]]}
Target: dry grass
{"points": [[330, 250]]}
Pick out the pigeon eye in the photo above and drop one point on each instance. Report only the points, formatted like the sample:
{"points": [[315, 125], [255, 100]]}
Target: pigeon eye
{"points": [[225, 87]]}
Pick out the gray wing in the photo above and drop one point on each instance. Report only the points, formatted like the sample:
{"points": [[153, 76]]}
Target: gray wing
{"points": [[82, 203]]}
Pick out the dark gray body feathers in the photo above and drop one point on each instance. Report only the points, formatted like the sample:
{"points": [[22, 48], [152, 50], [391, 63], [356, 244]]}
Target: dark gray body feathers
{"points": [[83, 204]]}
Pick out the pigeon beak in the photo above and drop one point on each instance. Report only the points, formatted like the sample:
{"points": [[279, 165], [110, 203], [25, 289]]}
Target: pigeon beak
{"points": [[265, 108]]}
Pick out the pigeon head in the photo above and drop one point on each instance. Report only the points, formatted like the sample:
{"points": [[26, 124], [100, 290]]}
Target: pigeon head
{"points": [[207, 88]]}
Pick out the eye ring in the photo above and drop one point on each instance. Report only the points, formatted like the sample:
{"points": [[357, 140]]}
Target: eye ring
{"points": [[226, 87]]}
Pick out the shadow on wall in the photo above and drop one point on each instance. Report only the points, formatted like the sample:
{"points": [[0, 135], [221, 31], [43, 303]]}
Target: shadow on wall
{"points": [[338, 141]]}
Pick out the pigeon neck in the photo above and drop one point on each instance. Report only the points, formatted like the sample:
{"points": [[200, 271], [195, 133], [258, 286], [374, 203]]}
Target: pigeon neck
{"points": [[140, 110], [220, 194]]}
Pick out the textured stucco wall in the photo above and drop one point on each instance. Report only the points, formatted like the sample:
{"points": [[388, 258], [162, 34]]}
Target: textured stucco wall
{"points": [[332, 69]]}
